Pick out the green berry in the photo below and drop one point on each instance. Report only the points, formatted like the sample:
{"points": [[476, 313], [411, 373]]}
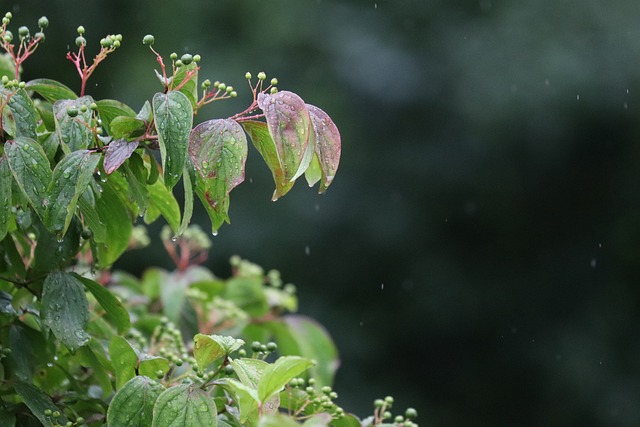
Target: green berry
{"points": [[271, 346], [273, 90], [233, 94], [247, 76], [178, 63], [186, 59], [8, 15], [388, 400], [47, 412], [23, 31], [56, 414], [118, 37], [116, 43], [72, 111], [206, 84], [39, 36], [173, 56], [310, 390], [83, 108], [106, 42], [411, 413], [398, 419], [274, 81], [378, 403], [386, 415], [22, 85], [242, 352], [93, 106], [5, 21], [256, 346], [197, 58], [229, 89], [5, 80], [326, 389], [80, 30], [8, 36], [262, 75], [43, 22], [222, 86], [81, 41], [149, 40], [80, 420]]}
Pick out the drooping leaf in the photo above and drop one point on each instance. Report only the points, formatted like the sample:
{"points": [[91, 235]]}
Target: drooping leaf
{"points": [[109, 109], [328, 145], [152, 365], [246, 397], [162, 202], [117, 152], [209, 348], [31, 170], [38, 403], [300, 335], [50, 90], [124, 360], [262, 140], [65, 309], [116, 312], [56, 252], [91, 217], [114, 216], [133, 404], [23, 112], [173, 119], [89, 358], [74, 132], [134, 173], [70, 179], [28, 350], [184, 405], [279, 373], [290, 127], [125, 126], [5, 196], [218, 152], [188, 201], [146, 112]]}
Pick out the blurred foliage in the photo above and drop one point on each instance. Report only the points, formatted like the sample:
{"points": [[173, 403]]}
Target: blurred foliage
{"points": [[482, 242]]}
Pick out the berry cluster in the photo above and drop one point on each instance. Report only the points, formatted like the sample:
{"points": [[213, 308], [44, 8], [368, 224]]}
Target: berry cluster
{"points": [[27, 43], [304, 398], [382, 413]]}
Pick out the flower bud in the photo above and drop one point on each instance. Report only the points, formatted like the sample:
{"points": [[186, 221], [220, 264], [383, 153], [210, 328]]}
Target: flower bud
{"points": [[23, 31], [262, 75], [186, 59], [247, 75], [80, 30], [81, 41], [43, 22], [148, 40]]}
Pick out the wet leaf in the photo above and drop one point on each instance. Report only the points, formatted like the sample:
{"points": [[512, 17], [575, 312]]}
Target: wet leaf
{"points": [[38, 403], [117, 152], [328, 145], [133, 404], [65, 309], [74, 132], [162, 202], [173, 119], [22, 112], [116, 312], [122, 127], [91, 217], [185, 405], [50, 90], [279, 373], [246, 397], [262, 140], [209, 348], [70, 179], [124, 360], [5, 196], [53, 252], [31, 170], [150, 365], [109, 109], [190, 87], [113, 214], [218, 152], [290, 128]]}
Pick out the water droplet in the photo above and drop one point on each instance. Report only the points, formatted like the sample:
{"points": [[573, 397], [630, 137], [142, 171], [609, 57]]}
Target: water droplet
{"points": [[307, 250]]}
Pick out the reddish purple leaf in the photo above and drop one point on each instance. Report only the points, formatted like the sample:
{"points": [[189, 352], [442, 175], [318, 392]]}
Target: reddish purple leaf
{"points": [[117, 152], [327, 144]]}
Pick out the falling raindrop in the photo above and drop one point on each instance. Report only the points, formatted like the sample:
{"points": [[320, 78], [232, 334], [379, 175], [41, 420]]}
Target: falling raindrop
{"points": [[307, 250]]}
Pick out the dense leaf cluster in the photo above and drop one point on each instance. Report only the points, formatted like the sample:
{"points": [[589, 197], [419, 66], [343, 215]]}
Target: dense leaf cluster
{"points": [[81, 344]]}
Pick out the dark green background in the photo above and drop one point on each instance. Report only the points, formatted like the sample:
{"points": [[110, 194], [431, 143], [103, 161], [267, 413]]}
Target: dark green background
{"points": [[477, 256]]}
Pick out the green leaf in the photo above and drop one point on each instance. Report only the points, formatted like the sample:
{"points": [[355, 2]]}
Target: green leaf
{"points": [[7, 68], [114, 216], [30, 168], [65, 309], [249, 371], [90, 359], [327, 144], [7, 419], [246, 397], [23, 113], [5, 196], [300, 335], [28, 350], [53, 252], [38, 403], [185, 405], [262, 140], [151, 365], [70, 179], [117, 152], [348, 420], [209, 348], [50, 90], [218, 152], [290, 128], [109, 109], [124, 360], [133, 404], [125, 126], [74, 132], [188, 202], [87, 205], [190, 87], [277, 420], [278, 374], [116, 312], [162, 202], [173, 119]]}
